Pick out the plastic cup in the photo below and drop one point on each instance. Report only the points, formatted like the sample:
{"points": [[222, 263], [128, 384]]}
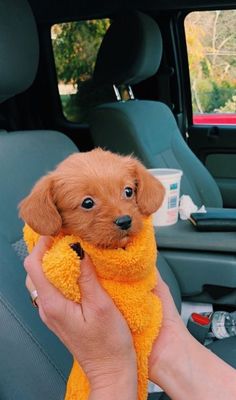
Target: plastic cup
{"points": [[168, 212]]}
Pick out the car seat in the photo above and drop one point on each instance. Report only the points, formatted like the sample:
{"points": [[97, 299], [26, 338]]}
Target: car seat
{"points": [[33, 362], [146, 128]]}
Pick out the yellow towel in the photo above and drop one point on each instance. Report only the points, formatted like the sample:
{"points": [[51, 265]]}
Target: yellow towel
{"points": [[128, 275]]}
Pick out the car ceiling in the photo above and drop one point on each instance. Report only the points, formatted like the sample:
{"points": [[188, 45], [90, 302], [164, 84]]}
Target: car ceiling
{"points": [[59, 10]]}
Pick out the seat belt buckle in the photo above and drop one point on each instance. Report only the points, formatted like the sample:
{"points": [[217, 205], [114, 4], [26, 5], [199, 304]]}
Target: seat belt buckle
{"points": [[199, 326]]}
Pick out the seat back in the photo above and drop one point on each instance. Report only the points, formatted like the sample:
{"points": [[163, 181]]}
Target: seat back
{"points": [[146, 128], [26, 345]]}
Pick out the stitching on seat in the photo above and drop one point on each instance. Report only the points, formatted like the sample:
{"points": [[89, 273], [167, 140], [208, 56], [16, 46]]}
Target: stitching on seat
{"points": [[27, 331]]}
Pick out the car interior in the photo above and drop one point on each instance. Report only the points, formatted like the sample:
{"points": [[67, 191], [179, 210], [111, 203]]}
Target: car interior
{"points": [[143, 50]]}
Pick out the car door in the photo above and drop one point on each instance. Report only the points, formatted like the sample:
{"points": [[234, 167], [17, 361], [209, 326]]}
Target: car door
{"points": [[211, 49]]}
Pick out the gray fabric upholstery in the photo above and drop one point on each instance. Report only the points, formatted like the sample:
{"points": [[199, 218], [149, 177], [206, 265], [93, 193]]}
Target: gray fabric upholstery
{"points": [[19, 49], [33, 363], [148, 129], [128, 56]]}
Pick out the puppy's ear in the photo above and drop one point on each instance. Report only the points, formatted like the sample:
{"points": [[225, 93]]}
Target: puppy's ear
{"points": [[38, 209], [150, 192]]}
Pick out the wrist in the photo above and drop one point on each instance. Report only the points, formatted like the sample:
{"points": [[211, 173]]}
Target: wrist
{"points": [[191, 371], [168, 351], [173, 368], [115, 385]]}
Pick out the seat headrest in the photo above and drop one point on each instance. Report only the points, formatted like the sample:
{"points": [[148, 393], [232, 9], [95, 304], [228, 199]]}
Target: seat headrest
{"points": [[19, 48], [130, 52]]}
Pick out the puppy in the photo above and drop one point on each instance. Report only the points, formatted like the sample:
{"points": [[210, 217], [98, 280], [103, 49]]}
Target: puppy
{"points": [[103, 201]]}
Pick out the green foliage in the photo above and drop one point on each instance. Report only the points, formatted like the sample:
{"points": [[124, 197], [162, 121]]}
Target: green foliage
{"points": [[75, 46], [230, 106], [213, 96]]}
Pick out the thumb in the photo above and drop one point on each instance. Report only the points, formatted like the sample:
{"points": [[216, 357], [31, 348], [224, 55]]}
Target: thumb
{"points": [[90, 288]]}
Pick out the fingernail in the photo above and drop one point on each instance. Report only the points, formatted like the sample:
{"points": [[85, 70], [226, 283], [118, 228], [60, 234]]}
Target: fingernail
{"points": [[78, 249]]}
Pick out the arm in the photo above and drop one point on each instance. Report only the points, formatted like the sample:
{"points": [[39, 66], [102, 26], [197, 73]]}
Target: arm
{"points": [[182, 366]]}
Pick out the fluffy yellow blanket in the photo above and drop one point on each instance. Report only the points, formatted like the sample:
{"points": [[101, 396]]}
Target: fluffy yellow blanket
{"points": [[128, 275]]}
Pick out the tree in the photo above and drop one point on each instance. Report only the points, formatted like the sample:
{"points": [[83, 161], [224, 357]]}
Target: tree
{"points": [[211, 40], [75, 46], [230, 106]]}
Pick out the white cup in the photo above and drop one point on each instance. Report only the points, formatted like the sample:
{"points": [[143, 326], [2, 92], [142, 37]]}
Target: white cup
{"points": [[168, 212]]}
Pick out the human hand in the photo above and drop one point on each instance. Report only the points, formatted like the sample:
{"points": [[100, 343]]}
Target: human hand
{"points": [[94, 331]]}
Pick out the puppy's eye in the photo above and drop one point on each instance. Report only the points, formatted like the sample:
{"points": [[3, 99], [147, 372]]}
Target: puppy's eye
{"points": [[128, 192], [88, 203]]}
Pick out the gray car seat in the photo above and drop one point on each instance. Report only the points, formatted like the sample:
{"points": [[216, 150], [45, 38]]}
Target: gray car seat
{"points": [[146, 128], [33, 363]]}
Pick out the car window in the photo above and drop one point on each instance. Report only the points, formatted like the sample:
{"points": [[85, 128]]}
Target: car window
{"points": [[211, 46], [75, 47]]}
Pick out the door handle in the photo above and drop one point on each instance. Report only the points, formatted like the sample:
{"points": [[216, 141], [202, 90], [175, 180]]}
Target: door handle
{"points": [[213, 133]]}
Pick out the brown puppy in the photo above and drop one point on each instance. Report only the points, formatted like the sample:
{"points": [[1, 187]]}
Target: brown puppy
{"points": [[99, 196]]}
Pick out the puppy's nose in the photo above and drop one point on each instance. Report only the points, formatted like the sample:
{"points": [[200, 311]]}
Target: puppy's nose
{"points": [[124, 222]]}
